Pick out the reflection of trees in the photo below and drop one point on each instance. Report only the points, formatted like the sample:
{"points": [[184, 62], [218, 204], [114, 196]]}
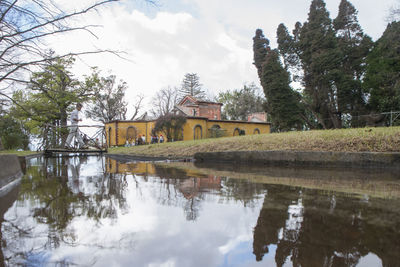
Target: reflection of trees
{"points": [[271, 220], [174, 183], [108, 198], [58, 194], [244, 191], [329, 230]]}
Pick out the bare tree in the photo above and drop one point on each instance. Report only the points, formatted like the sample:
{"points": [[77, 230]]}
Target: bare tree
{"points": [[164, 101], [25, 25], [137, 105]]}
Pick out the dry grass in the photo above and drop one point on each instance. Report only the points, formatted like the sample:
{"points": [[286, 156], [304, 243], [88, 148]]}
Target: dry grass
{"points": [[341, 140]]}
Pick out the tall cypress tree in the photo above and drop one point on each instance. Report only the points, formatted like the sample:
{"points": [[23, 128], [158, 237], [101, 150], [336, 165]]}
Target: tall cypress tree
{"points": [[354, 46], [287, 46], [320, 57], [260, 50], [282, 102], [382, 80]]}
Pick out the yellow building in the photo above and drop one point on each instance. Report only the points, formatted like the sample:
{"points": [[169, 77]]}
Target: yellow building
{"points": [[202, 121]]}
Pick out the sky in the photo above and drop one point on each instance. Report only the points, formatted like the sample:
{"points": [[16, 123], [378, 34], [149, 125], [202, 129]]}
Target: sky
{"points": [[212, 38]]}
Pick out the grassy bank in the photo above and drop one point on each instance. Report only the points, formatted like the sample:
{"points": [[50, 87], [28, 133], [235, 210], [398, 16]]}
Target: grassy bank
{"points": [[18, 153], [341, 140]]}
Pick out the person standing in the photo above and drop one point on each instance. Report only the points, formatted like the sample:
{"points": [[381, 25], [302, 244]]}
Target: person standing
{"points": [[74, 132], [144, 139]]}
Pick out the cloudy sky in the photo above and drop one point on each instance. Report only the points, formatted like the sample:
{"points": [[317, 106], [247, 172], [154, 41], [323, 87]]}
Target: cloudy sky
{"points": [[212, 38]]}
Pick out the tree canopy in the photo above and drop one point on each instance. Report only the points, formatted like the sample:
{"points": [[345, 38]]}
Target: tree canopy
{"points": [[239, 103], [108, 100], [340, 69], [191, 86]]}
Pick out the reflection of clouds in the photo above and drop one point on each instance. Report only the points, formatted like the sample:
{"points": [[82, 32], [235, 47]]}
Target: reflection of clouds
{"points": [[370, 260], [295, 212], [152, 234], [121, 219]]}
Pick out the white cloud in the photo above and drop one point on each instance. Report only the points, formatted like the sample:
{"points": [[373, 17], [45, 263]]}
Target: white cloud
{"points": [[211, 38]]}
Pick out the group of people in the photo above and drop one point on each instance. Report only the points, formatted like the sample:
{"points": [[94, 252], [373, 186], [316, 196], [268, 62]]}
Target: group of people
{"points": [[155, 139], [141, 140]]}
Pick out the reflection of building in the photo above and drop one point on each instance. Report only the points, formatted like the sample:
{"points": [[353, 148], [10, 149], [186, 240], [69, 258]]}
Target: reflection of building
{"points": [[191, 187], [190, 184], [140, 168], [203, 121]]}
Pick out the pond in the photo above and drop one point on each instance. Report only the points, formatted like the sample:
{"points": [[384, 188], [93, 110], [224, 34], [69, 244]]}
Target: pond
{"points": [[96, 211]]}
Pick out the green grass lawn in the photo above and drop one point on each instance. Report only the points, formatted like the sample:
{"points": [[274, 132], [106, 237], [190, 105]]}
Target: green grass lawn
{"points": [[18, 153], [383, 139]]}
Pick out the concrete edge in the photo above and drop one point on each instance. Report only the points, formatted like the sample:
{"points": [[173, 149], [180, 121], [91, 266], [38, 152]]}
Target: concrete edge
{"points": [[10, 169], [127, 157], [305, 158], [32, 156]]}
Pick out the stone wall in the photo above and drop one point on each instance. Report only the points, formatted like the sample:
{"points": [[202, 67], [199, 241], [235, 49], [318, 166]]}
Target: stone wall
{"points": [[299, 158], [10, 169]]}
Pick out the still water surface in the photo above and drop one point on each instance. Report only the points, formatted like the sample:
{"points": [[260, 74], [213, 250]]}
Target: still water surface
{"points": [[92, 211]]}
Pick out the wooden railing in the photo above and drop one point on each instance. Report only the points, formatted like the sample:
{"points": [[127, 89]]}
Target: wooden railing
{"points": [[54, 138]]}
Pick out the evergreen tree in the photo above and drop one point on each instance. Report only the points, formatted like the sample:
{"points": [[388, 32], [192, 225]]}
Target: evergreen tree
{"points": [[283, 104], [52, 93], [287, 46], [382, 80], [260, 50], [12, 133], [354, 47], [57, 88], [320, 57], [191, 86]]}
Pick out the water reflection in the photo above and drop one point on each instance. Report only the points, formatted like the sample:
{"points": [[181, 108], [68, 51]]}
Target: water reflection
{"points": [[101, 212]]}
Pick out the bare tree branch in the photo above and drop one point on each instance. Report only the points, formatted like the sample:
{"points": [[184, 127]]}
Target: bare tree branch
{"points": [[164, 101], [137, 105], [25, 25]]}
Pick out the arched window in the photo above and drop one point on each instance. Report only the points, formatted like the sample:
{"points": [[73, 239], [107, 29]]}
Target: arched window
{"points": [[236, 132], [197, 132], [256, 131]]}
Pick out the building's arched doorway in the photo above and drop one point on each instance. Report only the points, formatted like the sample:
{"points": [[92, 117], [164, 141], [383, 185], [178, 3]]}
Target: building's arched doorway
{"points": [[198, 132], [215, 131], [131, 134], [256, 131], [236, 132]]}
